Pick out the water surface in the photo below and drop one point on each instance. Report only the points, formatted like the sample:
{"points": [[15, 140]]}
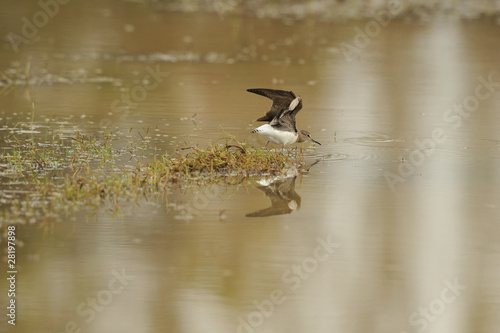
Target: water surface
{"points": [[394, 229]]}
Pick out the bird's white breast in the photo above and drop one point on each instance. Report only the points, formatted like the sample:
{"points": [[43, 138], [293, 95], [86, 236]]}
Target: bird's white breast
{"points": [[276, 136]]}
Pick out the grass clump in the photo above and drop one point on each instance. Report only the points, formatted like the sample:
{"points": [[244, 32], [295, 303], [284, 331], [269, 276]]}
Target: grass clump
{"points": [[228, 159], [48, 182]]}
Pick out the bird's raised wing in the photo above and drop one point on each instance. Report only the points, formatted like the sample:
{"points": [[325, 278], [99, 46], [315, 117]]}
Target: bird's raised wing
{"points": [[281, 101], [286, 117]]}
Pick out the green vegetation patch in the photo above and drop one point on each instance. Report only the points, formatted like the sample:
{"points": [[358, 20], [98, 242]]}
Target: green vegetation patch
{"points": [[52, 181]]}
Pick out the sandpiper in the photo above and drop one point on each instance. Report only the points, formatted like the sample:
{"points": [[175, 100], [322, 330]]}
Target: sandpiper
{"points": [[284, 199], [281, 128]]}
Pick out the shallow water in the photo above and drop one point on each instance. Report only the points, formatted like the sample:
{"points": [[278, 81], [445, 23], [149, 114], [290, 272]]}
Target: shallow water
{"points": [[393, 230]]}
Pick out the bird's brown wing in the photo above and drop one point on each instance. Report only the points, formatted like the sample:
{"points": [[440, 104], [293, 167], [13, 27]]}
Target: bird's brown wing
{"points": [[281, 100], [286, 117]]}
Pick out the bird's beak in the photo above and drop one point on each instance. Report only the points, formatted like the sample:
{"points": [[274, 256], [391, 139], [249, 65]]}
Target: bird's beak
{"points": [[315, 141]]}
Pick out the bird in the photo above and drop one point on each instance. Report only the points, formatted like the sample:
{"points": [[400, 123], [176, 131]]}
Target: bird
{"points": [[284, 199], [281, 129]]}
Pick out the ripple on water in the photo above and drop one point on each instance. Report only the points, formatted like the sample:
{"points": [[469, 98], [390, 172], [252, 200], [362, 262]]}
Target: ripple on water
{"points": [[373, 139], [372, 146], [329, 157]]}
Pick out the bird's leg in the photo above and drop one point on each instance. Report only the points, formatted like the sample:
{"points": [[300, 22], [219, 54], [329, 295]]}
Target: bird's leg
{"points": [[267, 144]]}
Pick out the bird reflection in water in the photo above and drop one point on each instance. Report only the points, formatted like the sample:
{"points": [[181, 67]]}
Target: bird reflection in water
{"points": [[283, 197], [281, 192]]}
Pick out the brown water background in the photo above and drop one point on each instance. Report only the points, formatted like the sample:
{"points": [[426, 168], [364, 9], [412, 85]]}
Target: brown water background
{"points": [[406, 190]]}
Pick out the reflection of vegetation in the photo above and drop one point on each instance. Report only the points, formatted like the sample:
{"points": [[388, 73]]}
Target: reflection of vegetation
{"points": [[52, 181], [332, 10]]}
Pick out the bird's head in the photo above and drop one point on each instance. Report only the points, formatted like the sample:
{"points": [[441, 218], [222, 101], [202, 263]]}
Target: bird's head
{"points": [[305, 135]]}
